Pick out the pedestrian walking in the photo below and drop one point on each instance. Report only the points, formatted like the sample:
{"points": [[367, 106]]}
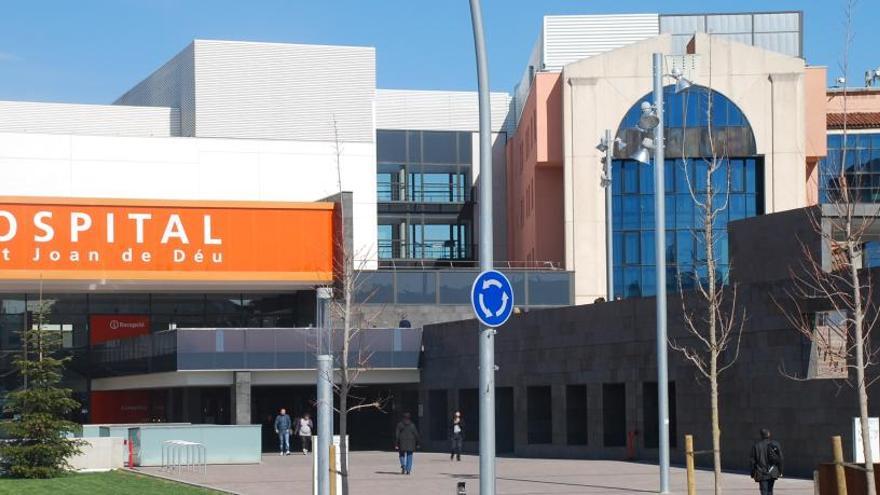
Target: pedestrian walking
{"points": [[766, 461], [282, 428], [304, 428], [456, 435], [406, 441]]}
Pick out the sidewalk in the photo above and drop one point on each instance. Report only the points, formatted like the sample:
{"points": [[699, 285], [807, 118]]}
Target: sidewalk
{"points": [[379, 473]]}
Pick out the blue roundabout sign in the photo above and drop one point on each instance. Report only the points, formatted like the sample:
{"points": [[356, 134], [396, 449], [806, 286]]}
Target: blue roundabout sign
{"points": [[492, 298]]}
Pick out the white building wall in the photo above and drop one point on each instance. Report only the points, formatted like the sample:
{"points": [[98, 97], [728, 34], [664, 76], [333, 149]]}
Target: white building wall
{"points": [[172, 85], [192, 168], [108, 120], [569, 38], [438, 110]]}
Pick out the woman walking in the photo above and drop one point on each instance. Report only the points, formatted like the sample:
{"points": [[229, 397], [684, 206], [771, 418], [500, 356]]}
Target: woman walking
{"points": [[456, 436]]}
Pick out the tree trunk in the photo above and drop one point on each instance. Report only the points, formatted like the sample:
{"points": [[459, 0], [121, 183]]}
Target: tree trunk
{"points": [[859, 318], [716, 427], [343, 433]]}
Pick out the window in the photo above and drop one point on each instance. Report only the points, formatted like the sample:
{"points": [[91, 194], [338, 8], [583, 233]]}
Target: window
{"points": [[614, 414], [650, 405], [861, 169], [539, 414], [687, 133], [576, 414]]}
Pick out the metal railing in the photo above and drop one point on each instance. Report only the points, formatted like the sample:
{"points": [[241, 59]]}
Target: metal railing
{"points": [[181, 454], [426, 193], [431, 249]]}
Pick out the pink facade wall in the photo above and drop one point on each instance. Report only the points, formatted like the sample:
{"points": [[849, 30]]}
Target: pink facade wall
{"points": [[857, 100], [534, 161]]}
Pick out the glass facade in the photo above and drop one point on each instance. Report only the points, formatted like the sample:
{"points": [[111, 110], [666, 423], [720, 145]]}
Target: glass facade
{"points": [[424, 186], [860, 167], [688, 154]]}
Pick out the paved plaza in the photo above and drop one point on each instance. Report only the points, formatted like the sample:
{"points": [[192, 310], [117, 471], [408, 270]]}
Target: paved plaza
{"points": [[379, 473]]}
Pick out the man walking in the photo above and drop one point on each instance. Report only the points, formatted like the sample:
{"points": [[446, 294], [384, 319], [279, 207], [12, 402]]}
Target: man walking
{"points": [[406, 441], [304, 432], [282, 428], [766, 461], [456, 435]]}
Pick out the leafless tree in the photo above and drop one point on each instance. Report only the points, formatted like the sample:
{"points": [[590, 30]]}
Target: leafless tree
{"points": [[840, 285], [712, 318], [348, 319]]}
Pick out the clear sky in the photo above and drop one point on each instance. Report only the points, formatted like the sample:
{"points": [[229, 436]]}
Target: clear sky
{"points": [[91, 51]]}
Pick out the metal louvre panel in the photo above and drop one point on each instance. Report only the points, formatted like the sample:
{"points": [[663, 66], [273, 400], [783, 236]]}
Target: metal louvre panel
{"points": [[284, 91], [729, 23], [787, 43], [171, 85], [437, 110], [777, 22], [575, 37], [103, 120]]}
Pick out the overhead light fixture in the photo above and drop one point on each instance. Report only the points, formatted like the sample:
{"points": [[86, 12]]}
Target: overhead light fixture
{"points": [[648, 120], [681, 83], [603, 144], [643, 153]]}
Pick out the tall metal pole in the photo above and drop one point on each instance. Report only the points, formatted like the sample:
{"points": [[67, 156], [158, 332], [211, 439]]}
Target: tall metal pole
{"points": [[660, 255], [609, 239], [325, 390], [487, 335]]}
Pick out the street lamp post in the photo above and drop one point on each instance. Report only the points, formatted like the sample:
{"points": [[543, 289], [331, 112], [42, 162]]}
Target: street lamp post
{"points": [[652, 119], [325, 390], [487, 334], [606, 145], [660, 259]]}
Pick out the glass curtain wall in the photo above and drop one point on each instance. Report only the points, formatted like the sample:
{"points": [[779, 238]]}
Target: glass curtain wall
{"points": [[690, 122], [423, 185]]}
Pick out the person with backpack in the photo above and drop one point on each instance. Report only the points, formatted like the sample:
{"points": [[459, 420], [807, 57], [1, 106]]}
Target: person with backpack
{"points": [[456, 435], [406, 441], [304, 427], [282, 428], [766, 462]]}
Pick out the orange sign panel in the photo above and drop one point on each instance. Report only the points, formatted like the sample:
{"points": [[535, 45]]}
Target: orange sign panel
{"points": [[53, 238]]}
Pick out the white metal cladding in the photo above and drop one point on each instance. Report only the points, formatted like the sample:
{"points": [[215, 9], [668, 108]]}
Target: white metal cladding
{"points": [[172, 85], [284, 91], [106, 120], [780, 32], [438, 110], [522, 89], [568, 38]]}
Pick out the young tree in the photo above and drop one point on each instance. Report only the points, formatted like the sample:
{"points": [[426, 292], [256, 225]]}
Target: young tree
{"points": [[348, 317], [843, 287], [710, 312], [39, 445]]}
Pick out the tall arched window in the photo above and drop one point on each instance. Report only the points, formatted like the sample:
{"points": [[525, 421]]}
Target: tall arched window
{"points": [[688, 150]]}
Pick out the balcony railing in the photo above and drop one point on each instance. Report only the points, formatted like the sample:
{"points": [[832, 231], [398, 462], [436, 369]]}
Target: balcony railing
{"points": [[439, 249], [394, 192], [190, 349]]}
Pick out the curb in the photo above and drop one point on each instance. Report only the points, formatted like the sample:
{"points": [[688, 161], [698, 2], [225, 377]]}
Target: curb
{"points": [[183, 482]]}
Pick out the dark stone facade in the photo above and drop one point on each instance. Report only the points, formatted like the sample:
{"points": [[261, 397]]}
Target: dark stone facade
{"points": [[614, 342]]}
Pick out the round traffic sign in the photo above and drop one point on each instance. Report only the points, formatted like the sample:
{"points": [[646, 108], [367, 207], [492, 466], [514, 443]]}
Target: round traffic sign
{"points": [[492, 298]]}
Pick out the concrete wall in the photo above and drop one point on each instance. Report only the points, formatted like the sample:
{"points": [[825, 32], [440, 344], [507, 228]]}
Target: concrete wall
{"points": [[534, 175], [614, 343], [857, 100], [100, 454], [768, 87], [192, 168]]}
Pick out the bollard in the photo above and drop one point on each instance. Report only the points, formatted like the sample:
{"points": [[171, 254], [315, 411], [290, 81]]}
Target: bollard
{"points": [[816, 490], [332, 468], [689, 460], [840, 473], [461, 490]]}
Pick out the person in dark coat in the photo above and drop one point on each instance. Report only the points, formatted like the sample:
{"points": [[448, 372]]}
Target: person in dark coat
{"points": [[766, 461], [406, 441], [456, 435]]}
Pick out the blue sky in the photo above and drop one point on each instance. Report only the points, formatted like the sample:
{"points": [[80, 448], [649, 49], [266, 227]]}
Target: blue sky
{"points": [[91, 51]]}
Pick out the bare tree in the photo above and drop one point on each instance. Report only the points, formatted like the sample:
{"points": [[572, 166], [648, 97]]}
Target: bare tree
{"points": [[349, 317], [710, 313], [840, 285]]}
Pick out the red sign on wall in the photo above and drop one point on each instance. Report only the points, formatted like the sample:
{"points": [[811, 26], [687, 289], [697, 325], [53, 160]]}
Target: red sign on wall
{"points": [[127, 406], [111, 327]]}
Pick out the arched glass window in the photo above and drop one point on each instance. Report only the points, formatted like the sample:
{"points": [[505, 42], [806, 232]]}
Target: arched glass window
{"points": [[688, 154]]}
